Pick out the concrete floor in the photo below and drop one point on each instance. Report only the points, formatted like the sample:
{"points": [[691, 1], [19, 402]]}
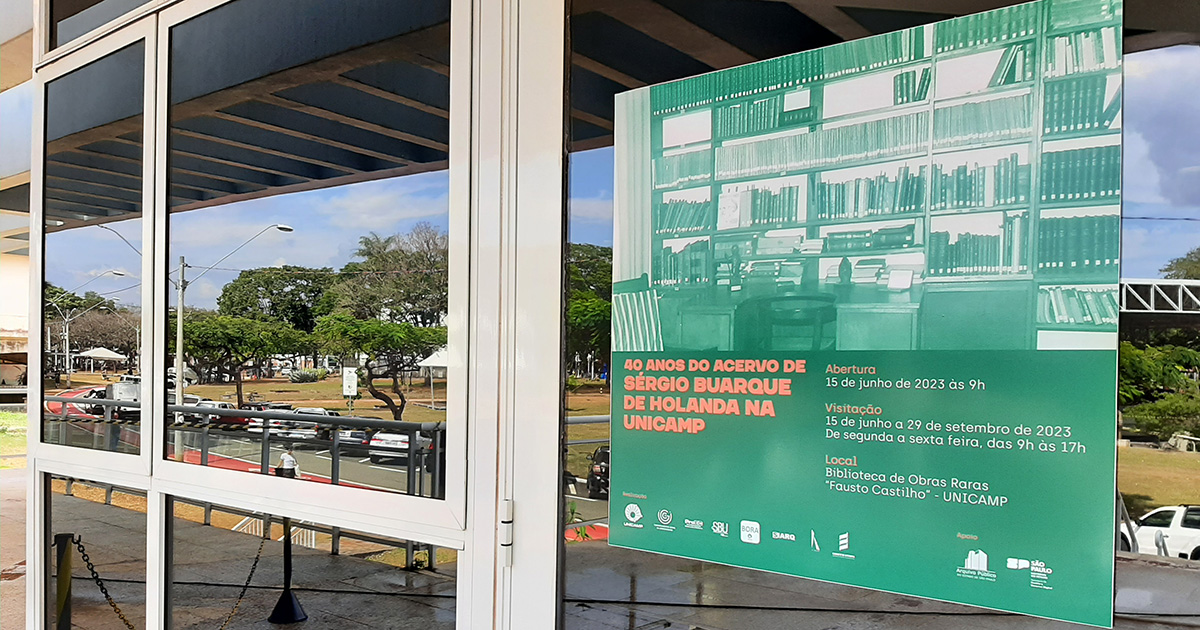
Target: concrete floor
{"points": [[352, 592]]}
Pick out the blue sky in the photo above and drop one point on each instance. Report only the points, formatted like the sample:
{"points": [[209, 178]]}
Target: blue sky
{"points": [[1162, 179]]}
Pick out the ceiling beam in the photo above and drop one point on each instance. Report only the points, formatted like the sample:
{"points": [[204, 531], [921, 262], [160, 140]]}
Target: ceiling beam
{"points": [[254, 148], [391, 96], [1158, 39], [832, 18], [592, 119], [611, 74], [670, 28], [295, 133], [279, 101], [237, 164]]}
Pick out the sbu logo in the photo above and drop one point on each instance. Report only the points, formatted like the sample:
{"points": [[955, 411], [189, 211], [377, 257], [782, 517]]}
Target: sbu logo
{"points": [[751, 532], [720, 529]]}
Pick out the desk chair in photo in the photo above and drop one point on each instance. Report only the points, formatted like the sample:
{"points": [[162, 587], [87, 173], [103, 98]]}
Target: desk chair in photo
{"points": [[786, 322], [635, 325]]}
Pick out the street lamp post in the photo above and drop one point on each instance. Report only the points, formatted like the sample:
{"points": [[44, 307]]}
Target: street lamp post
{"points": [[67, 320], [181, 288]]}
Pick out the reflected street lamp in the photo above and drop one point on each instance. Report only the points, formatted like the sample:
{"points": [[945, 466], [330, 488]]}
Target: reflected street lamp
{"points": [[181, 287], [67, 320]]}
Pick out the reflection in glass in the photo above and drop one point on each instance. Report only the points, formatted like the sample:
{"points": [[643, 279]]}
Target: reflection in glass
{"points": [[108, 523], [308, 241], [91, 300], [327, 576], [70, 19]]}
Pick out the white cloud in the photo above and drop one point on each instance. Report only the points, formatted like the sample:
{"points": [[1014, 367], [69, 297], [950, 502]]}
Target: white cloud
{"points": [[593, 209], [381, 207]]}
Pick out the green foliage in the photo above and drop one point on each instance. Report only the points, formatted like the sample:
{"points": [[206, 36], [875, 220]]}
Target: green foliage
{"points": [[402, 278], [288, 294], [391, 348], [589, 310], [1163, 418], [1186, 267], [57, 302], [307, 376], [221, 344], [1145, 374]]}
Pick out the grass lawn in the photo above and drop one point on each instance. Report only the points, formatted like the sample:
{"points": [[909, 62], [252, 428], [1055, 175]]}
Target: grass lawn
{"points": [[12, 442], [1150, 478]]}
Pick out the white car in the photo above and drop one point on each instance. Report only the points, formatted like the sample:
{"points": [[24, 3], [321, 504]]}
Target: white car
{"points": [[1180, 526], [396, 445]]}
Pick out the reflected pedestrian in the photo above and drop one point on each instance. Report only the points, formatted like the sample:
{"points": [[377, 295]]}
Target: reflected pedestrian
{"points": [[287, 464]]}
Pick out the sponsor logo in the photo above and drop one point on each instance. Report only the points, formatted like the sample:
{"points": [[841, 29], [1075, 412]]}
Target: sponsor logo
{"points": [[1039, 573], [633, 514], [720, 529], [783, 536], [812, 534], [844, 546], [975, 567], [692, 524], [664, 521], [751, 532]]}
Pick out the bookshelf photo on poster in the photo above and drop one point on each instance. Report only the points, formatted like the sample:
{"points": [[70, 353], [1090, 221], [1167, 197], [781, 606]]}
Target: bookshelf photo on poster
{"points": [[888, 183], [873, 287]]}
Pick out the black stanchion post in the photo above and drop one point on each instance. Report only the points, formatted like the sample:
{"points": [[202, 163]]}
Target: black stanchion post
{"points": [[266, 447], [287, 609], [63, 546], [335, 463]]}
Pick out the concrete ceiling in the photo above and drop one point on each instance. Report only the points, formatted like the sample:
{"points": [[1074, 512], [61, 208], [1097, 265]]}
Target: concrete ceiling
{"points": [[380, 109]]}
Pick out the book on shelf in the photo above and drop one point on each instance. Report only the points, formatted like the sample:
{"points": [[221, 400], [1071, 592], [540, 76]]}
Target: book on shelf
{"points": [[1083, 51], [978, 185], [687, 266], [1076, 175], [675, 217], [751, 206], [1079, 245], [865, 197], [1016, 66], [1078, 104], [971, 31], [681, 168], [867, 270], [980, 254], [812, 246], [1074, 13], [751, 116], [1096, 306], [870, 239], [912, 86], [1006, 118], [872, 140]]}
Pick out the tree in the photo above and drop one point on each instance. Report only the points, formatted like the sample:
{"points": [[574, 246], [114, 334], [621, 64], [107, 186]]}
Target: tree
{"points": [[223, 345], [402, 278], [289, 294], [57, 301], [1163, 418], [1146, 374], [390, 348], [106, 329], [1186, 267], [589, 295]]}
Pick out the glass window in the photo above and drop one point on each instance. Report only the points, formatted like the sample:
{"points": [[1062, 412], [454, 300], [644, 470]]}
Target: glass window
{"points": [[1191, 518], [92, 286], [334, 578], [1159, 519], [69, 19], [308, 247], [96, 564]]}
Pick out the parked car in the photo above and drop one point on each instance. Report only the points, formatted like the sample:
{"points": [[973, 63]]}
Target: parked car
{"points": [[597, 479], [396, 445], [214, 418], [1180, 527]]}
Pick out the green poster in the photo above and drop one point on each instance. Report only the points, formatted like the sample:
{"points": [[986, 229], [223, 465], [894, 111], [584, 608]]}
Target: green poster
{"points": [[865, 314]]}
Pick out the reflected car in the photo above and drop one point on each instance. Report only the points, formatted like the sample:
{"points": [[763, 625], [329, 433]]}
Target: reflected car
{"points": [[217, 419], [81, 410], [396, 445], [1180, 527]]}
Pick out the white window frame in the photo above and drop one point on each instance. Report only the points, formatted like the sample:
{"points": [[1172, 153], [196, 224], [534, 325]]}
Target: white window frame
{"points": [[505, 380], [122, 463], [41, 29]]}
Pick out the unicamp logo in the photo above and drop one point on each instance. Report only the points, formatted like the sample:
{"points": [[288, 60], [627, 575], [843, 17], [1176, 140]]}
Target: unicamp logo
{"points": [[633, 514]]}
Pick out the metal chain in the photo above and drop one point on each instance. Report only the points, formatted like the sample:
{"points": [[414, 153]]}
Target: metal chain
{"points": [[78, 540], [245, 586]]}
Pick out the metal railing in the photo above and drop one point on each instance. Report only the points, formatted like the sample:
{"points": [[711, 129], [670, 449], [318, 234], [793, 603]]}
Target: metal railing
{"points": [[209, 423], [114, 423]]}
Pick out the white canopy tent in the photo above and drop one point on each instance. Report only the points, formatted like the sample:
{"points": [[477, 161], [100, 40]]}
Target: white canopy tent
{"points": [[435, 361], [103, 354]]}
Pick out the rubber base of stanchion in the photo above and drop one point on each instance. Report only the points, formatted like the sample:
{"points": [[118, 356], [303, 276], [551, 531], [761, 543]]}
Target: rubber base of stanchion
{"points": [[287, 609]]}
